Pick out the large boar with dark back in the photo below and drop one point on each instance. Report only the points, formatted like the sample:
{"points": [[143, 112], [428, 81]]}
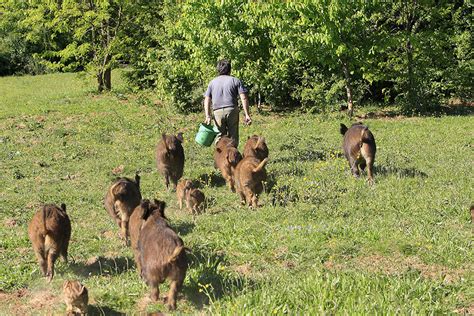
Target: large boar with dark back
{"points": [[161, 252]]}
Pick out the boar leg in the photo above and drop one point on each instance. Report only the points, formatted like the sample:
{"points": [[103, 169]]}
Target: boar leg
{"points": [[171, 298], [180, 201], [52, 256], [41, 260], [124, 228], [370, 170], [155, 292], [354, 167], [242, 198], [167, 180]]}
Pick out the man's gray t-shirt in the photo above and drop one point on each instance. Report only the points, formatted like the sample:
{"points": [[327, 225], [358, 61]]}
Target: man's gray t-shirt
{"points": [[224, 91]]}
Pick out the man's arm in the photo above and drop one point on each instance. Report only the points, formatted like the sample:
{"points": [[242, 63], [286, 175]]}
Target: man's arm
{"points": [[245, 104], [207, 110]]}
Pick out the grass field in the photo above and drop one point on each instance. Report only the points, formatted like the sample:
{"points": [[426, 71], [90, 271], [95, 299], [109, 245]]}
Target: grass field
{"points": [[323, 242]]}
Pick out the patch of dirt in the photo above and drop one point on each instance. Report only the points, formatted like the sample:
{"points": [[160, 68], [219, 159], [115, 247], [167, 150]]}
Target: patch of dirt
{"points": [[109, 234], [399, 264], [118, 170], [244, 269], [24, 301], [10, 222], [465, 310]]}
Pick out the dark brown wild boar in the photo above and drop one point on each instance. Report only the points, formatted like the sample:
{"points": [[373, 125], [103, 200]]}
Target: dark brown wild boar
{"points": [[249, 176], [76, 298], [49, 232], [162, 254], [181, 189], [121, 199], [359, 148], [170, 158], [256, 147], [226, 158]]}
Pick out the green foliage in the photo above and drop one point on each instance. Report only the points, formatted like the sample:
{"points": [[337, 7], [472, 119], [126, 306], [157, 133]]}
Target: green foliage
{"points": [[314, 55]]}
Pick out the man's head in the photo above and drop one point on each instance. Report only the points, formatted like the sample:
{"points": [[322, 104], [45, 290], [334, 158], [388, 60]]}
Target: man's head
{"points": [[223, 67]]}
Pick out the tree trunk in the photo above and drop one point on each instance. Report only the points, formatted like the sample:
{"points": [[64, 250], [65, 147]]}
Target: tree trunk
{"points": [[100, 81], [108, 79], [411, 77], [350, 104]]}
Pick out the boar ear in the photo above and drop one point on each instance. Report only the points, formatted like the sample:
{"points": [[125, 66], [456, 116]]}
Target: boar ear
{"points": [[137, 179], [82, 289], [163, 137], [259, 141], [145, 204], [63, 207], [343, 129], [66, 284], [161, 207], [180, 137]]}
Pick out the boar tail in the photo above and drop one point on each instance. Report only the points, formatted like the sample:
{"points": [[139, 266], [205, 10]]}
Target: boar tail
{"points": [[177, 251], [260, 166], [343, 129]]}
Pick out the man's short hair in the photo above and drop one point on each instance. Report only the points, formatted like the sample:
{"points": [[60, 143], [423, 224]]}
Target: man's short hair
{"points": [[223, 67]]}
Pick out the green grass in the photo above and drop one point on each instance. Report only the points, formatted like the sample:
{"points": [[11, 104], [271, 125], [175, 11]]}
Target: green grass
{"points": [[323, 242]]}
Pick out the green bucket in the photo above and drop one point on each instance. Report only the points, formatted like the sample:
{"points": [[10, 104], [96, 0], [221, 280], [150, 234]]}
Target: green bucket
{"points": [[206, 134]]}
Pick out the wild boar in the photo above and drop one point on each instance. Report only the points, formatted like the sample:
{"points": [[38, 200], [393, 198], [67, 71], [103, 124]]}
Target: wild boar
{"points": [[359, 149], [49, 232], [249, 176], [170, 158], [121, 199], [162, 253], [76, 297], [226, 158], [181, 189], [256, 146]]}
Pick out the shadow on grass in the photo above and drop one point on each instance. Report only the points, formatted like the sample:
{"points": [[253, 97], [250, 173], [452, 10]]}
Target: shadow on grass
{"points": [[211, 179], [102, 310], [103, 266], [209, 281], [183, 228], [400, 172]]}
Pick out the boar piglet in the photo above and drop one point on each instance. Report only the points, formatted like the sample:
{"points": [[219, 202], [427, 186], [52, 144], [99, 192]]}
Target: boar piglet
{"points": [[359, 148], [121, 199], [76, 297], [49, 232], [183, 186], [170, 158], [162, 254]]}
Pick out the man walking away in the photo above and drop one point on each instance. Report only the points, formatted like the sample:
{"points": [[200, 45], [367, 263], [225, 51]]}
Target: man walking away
{"points": [[223, 92]]}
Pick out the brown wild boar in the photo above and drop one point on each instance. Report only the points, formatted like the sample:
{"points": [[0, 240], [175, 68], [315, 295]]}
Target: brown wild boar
{"points": [[256, 147], [49, 232], [195, 201], [359, 148], [181, 188], [249, 175], [162, 254], [170, 158], [76, 297], [121, 199], [226, 158]]}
